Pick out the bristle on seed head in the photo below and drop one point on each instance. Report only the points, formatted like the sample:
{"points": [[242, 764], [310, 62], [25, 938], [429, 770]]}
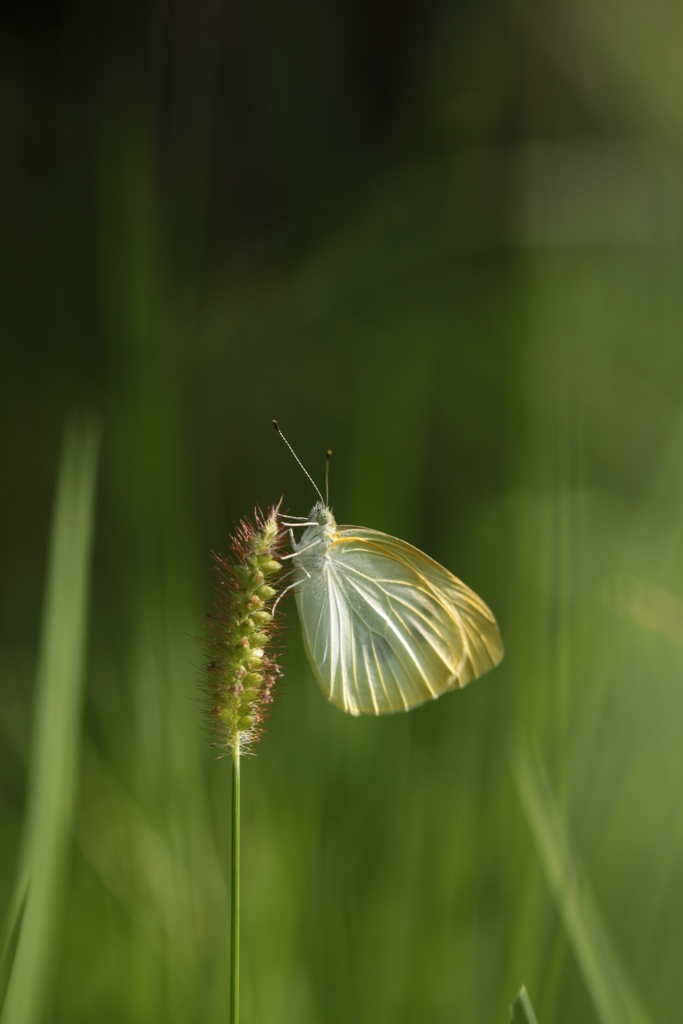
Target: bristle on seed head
{"points": [[241, 669]]}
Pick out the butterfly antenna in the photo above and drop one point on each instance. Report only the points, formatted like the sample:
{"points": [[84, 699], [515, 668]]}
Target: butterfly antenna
{"points": [[315, 486], [328, 456]]}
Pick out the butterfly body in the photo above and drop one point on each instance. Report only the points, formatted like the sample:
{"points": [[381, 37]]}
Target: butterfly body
{"points": [[385, 627]]}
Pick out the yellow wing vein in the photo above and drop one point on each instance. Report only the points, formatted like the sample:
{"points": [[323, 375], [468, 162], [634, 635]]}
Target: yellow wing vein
{"points": [[423, 637], [395, 632], [317, 629], [353, 660], [467, 645], [461, 604], [370, 680], [412, 636], [406, 705], [379, 671], [428, 590], [334, 641]]}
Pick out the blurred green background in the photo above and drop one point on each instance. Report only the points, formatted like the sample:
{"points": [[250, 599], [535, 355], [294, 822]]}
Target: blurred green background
{"points": [[445, 240]]}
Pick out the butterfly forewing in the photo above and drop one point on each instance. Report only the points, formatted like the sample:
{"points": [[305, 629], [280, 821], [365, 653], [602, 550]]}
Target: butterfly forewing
{"points": [[481, 637], [387, 628]]}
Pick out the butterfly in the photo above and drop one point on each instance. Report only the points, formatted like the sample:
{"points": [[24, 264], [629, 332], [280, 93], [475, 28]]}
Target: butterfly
{"points": [[385, 627]]}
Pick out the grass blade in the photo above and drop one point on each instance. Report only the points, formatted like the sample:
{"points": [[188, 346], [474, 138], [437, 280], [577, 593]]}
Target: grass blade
{"points": [[11, 928], [613, 996], [521, 1010], [56, 732]]}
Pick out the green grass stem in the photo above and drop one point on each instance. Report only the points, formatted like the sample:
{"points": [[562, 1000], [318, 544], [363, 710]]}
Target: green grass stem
{"points": [[613, 995], [235, 889], [53, 773], [11, 928], [521, 1010]]}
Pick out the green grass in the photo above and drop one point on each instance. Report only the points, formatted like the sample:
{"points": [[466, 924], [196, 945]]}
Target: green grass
{"points": [[521, 1010], [611, 989], [53, 778]]}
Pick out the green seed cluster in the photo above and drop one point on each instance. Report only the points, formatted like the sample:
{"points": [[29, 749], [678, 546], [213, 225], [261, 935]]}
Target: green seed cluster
{"points": [[242, 671]]}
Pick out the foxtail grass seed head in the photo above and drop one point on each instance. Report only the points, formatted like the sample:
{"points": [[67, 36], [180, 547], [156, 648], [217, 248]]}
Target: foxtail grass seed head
{"points": [[242, 671]]}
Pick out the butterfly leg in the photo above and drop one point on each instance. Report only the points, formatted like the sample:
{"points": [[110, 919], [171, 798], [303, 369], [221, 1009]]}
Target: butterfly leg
{"points": [[298, 551], [285, 591]]}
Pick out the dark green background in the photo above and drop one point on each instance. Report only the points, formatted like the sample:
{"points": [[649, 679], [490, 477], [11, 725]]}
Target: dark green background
{"points": [[444, 240]]}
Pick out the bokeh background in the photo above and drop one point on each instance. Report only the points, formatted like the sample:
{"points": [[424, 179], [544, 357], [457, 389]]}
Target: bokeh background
{"points": [[445, 240]]}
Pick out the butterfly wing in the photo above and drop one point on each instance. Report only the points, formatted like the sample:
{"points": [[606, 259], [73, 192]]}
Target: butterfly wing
{"points": [[387, 628]]}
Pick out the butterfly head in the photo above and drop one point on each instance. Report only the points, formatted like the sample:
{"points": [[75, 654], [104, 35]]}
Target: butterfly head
{"points": [[322, 514], [323, 527]]}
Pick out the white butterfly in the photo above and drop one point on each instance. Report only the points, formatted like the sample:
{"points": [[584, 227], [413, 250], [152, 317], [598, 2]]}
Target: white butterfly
{"points": [[385, 627]]}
